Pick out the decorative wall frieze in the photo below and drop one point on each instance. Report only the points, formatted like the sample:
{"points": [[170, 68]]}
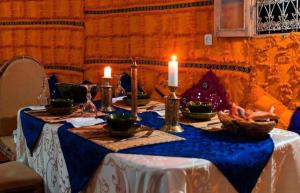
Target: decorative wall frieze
{"points": [[229, 67], [150, 8], [43, 22], [68, 68]]}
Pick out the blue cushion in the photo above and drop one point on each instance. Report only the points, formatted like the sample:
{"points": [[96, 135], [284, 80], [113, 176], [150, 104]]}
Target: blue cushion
{"points": [[295, 122], [54, 92], [126, 83]]}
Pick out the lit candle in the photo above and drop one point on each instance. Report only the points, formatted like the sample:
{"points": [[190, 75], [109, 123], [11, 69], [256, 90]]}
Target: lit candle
{"points": [[107, 72], [173, 72]]}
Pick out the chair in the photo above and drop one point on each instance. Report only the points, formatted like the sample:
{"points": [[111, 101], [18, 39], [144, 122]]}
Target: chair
{"points": [[20, 84], [16, 178]]}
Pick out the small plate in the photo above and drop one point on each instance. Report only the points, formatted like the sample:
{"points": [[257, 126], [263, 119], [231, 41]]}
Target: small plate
{"points": [[199, 116], [123, 134], [60, 110]]}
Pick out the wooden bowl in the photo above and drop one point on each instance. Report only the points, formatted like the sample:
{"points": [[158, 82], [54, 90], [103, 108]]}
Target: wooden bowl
{"points": [[245, 128]]}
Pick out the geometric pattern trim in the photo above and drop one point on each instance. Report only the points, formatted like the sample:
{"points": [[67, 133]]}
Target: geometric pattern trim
{"points": [[43, 22], [151, 8], [163, 63], [68, 68], [277, 16]]}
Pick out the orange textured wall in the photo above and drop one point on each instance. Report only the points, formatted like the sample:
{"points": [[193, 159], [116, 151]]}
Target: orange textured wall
{"points": [[51, 31], [72, 36], [117, 30]]}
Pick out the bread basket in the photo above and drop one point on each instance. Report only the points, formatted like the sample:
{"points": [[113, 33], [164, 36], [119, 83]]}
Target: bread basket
{"points": [[245, 128]]}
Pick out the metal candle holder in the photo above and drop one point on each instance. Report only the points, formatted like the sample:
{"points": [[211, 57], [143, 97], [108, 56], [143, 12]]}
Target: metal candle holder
{"points": [[172, 112], [106, 96], [134, 89]]}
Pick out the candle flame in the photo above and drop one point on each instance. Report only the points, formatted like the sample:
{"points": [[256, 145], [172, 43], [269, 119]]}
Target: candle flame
{"points": [[107, 72], [107, 68], [174, 57]]}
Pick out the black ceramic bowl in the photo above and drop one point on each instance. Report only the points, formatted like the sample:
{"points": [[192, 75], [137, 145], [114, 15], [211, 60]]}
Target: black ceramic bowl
{"points": [[61, 103], [120, 122], [199, 107], [75, 92], [60, 110]]}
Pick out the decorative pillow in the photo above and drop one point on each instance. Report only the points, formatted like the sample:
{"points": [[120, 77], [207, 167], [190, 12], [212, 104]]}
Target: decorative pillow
{"points": [[295, 122], [208, 89], [54, 92], [259, 99]]}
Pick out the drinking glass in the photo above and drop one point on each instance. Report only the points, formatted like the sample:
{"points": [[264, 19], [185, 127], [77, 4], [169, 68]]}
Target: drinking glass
{"points": [[89, 106], [42, 99], [119, 91]]}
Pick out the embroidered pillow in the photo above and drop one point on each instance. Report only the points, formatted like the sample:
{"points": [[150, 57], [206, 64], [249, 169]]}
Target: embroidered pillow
{"points": [[208, 89]]}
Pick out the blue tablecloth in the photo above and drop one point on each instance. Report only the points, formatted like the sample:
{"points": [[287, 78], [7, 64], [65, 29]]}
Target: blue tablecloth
{"points": [[240, 160], [32, 128]]}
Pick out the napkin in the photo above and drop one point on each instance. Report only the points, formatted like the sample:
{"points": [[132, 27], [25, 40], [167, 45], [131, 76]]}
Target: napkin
{"points": [[117, 99], [37, 108], [84, 121]]}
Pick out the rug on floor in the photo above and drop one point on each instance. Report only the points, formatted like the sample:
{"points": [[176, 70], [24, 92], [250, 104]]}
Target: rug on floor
{"points": [[3, 158]]}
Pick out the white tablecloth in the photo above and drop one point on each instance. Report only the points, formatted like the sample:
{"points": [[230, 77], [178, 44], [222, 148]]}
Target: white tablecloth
{"points": [[124, 173]]}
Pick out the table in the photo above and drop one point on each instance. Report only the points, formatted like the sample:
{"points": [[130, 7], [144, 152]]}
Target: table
{"points": [[125, 173]]}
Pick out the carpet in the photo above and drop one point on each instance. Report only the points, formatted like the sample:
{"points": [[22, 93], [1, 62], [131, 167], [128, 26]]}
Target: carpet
{"points": [[3, 158]]}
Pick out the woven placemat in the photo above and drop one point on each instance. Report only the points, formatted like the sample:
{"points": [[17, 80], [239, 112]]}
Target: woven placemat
{"points": [[48, 118], [151, 106], [144, 136], [213, 124]]}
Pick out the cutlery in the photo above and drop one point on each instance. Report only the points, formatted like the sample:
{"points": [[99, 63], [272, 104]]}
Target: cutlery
{"points": [[36, 111], [137, 137], [213, 123]]}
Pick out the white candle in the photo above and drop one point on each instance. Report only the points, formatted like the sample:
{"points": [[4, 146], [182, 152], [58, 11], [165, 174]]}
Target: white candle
{"points": [[173, 72], [107, 72]]}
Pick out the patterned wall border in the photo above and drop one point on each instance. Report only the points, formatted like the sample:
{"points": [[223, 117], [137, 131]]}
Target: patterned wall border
{"points": [[229, 67], [150, 8], [43, 22], [68, 68]]}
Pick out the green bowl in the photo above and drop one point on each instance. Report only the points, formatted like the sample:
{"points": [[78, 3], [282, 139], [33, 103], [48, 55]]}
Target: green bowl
{"points": [[60, 110], [120, 122], [61, 103], [199, 107], [199, 116], [123, 134], [140, 102], [76, 92], [140, 95]]}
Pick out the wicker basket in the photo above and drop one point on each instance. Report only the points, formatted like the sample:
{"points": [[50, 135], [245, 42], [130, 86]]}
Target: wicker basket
{"points": [[245, 128]]}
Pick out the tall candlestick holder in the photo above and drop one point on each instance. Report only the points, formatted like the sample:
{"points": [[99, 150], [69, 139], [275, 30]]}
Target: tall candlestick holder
{"points": [[172, 112], [134, 90], [106, 96]]}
